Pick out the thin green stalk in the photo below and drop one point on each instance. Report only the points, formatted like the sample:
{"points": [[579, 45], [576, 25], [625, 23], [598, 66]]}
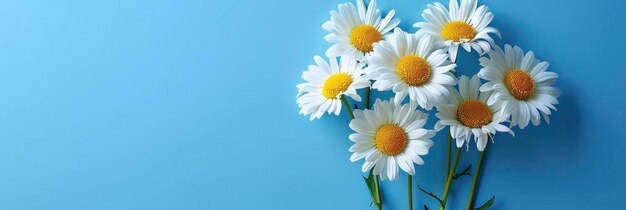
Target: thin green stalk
{"points": [[409, 184], [470, 200], [380, 196], [449, 178], [345, 103], [449, 155]]}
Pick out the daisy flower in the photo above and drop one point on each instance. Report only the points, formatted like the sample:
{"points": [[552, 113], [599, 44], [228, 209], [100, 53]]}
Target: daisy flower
{"points": [[327, 83], [410, 65], [354, 32], [468, 113], [389, 136], [521, 83], [465, 26]]}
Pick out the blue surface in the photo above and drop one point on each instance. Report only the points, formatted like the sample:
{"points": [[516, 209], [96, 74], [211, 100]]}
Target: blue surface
{"points": [[191, 105]]}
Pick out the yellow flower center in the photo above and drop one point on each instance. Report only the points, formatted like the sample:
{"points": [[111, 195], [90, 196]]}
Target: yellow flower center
{"points": [[520, 84], [391, 139], [413, 70], [457, 30], [474, 113], [364, 36], [335, 84]]}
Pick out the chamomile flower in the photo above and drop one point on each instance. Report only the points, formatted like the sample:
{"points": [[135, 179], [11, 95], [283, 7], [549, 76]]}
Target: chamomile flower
{"points": [[390, 136], [327, 83], [521, 83], [353, 32], [465, 26], [409, 64], [468, 113]]}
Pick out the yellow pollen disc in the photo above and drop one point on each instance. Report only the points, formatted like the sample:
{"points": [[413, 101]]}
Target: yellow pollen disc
{"points": [[474, 113], [335, 84], [391, 139], [364, 36], [520, 84], [457, 30], [413, 69]]}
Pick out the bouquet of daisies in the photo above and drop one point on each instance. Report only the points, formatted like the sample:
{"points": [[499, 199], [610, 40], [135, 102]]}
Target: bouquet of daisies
{"points": [[370, 52]]}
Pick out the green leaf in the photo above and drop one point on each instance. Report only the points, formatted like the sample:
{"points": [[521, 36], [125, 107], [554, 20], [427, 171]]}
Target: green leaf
{"points": [[429, 194], [370, 181], [369, 187], [463, 173], [487, 204]]}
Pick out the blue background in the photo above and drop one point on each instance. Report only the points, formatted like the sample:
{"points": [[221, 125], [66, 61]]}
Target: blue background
{"points": [[191, 105]]}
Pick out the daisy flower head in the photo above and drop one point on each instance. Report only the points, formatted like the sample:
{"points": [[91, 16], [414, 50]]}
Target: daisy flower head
{"points": [[521, 83], [468, 113], [390, 136], [410, 64], [327, 82], [465, 25], [353, 32]]}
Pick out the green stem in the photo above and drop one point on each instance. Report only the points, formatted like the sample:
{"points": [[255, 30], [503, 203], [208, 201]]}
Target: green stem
{"points": [[409, 184], [449, 155], [481, 156], [449, 178], [380, 196], [345, 103], [367, 97]]}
